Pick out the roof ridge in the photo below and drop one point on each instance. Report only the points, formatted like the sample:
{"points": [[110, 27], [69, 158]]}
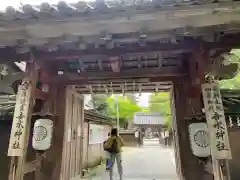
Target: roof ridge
{"points": [[69, 9]]}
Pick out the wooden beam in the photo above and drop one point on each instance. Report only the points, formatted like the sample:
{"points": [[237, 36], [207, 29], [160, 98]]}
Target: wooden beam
{"points": [[225, 42], [80, 81], [146, 72], [119, 91], [125, 88], [105, 85], [165, 74]]}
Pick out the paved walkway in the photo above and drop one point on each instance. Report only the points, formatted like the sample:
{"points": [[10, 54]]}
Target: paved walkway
{"points": [[151, 162]]}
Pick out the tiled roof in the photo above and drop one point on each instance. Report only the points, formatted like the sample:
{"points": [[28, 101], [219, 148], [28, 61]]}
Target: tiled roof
{"points": [[148, 118], [81, 8], [113, 23]]}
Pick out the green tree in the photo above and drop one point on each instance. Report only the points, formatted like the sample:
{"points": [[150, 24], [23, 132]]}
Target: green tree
{"points": [[160, 102], [233, 83], [99, 103], [107, 106], [126, 108]]}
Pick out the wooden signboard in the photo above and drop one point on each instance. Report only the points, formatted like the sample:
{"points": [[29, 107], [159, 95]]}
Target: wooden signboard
{"points": [[218, 132], [16, 143]]}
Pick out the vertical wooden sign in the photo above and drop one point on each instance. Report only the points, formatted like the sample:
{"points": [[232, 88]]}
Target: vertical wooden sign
{"points": [[19, 129], [218, 132]]}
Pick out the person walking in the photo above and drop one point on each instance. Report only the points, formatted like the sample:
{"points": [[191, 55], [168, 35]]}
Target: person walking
{"points": [[108, 160], [137, 138], [113, 146], [166, 138]]}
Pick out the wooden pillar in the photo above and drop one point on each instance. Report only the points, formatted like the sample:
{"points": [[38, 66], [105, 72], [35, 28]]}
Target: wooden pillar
{"points": [[188, 104], [21, 122], [188, 166], [187, 98], [55, 105]]}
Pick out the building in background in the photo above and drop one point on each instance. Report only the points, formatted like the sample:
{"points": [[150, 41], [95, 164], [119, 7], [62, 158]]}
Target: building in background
{"points": [[151, 124]]}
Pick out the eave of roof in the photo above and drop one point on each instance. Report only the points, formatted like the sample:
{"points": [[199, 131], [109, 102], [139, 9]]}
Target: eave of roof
{"points": [[97, 8], [39, 26]]}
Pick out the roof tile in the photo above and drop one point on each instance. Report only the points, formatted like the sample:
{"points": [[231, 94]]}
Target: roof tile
{"points": [[76, 9]]}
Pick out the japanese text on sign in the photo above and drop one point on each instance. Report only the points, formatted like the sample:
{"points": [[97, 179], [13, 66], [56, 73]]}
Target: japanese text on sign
{"points": [[220, 147], [19, 120]]}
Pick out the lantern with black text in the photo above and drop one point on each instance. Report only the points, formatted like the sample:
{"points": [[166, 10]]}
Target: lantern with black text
{"points": [[42, 134]]}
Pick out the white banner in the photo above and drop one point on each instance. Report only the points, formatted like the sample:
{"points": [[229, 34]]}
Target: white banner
{"points": [[18, 131], [96, 134], [218, 132]]}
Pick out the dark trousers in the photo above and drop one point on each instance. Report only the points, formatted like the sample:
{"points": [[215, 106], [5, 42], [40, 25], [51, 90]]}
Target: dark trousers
{"points": [[166, 141], [108, 163]]}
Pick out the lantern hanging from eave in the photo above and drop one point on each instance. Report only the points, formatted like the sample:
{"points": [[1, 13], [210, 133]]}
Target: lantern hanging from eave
{"points": [[42, 134]]}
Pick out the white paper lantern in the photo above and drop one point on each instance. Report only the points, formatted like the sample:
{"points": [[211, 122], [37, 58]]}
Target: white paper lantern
{"points": [[42, 134], [199, 139]]}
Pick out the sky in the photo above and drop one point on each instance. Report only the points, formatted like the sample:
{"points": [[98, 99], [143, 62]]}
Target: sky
{"points": [[17, 3], [143, 99]]}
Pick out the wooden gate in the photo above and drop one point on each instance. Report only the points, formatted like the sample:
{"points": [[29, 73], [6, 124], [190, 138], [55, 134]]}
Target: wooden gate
{"points": [[176, 137], [73, 136]]}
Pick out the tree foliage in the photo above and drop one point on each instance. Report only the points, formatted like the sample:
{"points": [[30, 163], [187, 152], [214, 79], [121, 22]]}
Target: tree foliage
{"points": [[126, 107], [99, 103], [231, 83], [235, 82], [107, 106], [160, 102]]}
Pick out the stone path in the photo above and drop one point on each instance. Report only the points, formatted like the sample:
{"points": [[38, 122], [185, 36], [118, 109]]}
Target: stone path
{"points": [[150, 162]]}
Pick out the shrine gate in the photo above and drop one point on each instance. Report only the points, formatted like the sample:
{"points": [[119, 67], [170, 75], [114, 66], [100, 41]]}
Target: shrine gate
{"points": [[117, 47]]}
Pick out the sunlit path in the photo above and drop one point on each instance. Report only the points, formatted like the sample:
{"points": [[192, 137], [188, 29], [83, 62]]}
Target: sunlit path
{"points": [[150, 162]]}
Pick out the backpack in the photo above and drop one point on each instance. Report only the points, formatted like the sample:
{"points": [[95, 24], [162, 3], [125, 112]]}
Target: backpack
{"points": [[113, 149]]}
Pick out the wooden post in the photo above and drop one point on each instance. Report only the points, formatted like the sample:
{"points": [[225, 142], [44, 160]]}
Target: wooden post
{"points": [[216, 170], [188, 165], [37, 173], [227, 172], [21, 122], [59, 95]]}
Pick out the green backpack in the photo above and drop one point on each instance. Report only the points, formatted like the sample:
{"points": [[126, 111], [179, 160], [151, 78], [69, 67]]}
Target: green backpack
{"points": [[113, 149]]}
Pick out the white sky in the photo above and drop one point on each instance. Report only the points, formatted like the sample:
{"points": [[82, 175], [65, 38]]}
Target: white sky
{"points": [[17, 3], [143, 99]]}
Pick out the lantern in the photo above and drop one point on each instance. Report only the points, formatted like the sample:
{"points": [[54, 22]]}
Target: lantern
{"points": [[199, 139], [42, 134]]}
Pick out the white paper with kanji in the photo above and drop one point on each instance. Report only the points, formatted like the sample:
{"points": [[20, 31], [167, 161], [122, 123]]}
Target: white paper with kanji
{"points": [[16, 143], [214, 111]]}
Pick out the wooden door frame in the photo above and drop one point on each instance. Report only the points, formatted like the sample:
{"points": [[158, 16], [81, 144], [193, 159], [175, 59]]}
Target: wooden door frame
{"points": [[70, 91], [175, 134]]}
